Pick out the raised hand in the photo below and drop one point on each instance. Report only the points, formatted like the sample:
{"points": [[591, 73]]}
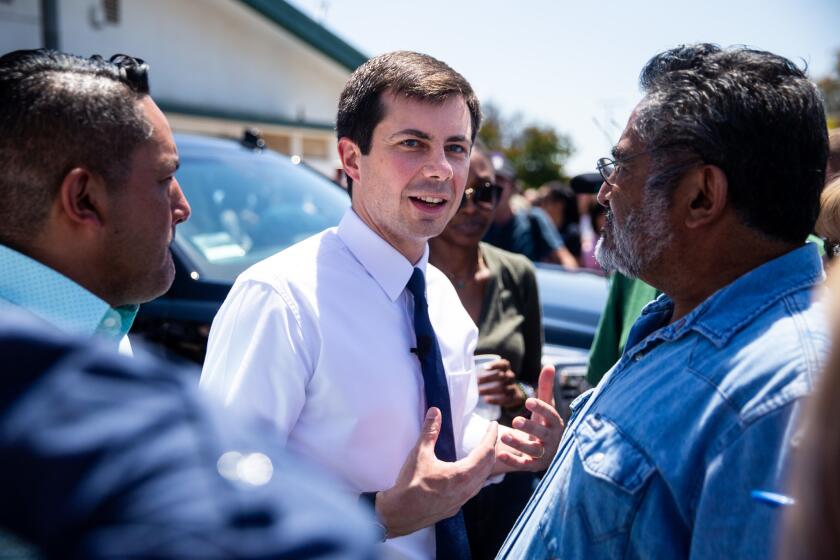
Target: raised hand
{"points": [[532, 443]]}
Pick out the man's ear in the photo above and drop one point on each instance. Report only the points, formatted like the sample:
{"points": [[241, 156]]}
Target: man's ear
{"points": [[350, 155], [82, 197], [707, 196]]}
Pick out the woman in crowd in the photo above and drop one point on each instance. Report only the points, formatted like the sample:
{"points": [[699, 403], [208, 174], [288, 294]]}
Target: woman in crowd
{"points": [[499, 290]]}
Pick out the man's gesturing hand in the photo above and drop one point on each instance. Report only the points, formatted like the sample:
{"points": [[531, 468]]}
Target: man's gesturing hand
{"points": [[427, 489], [531, 445]]}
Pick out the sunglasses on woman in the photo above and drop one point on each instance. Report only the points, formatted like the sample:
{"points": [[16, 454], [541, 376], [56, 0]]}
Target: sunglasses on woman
{"points": [[484, 195]]}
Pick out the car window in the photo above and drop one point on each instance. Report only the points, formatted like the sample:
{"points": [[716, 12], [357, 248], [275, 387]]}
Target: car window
{"points": [[249, 205]]}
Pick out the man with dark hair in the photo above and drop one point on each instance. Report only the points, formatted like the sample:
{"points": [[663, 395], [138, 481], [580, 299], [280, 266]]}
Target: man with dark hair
{"points": [[357, 349], [90, 201], [712, 191], [106, 456]]}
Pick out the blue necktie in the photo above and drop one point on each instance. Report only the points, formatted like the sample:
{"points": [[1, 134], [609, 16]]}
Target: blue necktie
{"points": [[450, 534]]}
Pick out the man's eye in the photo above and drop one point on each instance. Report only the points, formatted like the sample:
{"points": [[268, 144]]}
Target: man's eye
{"points": [[410, 143], [457, 148]]}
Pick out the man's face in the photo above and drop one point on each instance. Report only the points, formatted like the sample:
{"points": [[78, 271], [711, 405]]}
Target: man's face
{"points": [[637, 229], [143, 213], [472, 221], [411, 182]]}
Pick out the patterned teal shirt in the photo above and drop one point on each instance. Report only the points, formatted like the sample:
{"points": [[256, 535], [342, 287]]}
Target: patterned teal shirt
{"points": [[28, 284]]}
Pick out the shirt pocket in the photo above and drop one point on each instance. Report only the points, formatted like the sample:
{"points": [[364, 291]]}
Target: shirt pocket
{"points": [[612, 476]]}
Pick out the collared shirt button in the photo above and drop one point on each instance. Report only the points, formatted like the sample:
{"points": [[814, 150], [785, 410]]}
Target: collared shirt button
{"points": [[638, 356], [597, 457], [110, 322]]}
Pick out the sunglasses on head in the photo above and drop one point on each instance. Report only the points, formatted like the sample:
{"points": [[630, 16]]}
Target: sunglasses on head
{"points": [[484, 194]]}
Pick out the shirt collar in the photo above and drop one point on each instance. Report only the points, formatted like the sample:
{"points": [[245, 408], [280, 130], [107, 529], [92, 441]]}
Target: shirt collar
{"points": [[729, 309], [30, 285], [383, 262]]}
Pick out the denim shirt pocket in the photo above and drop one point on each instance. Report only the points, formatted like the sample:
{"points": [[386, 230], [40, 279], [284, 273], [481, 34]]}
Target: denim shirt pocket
{"points": [[614, 475]]}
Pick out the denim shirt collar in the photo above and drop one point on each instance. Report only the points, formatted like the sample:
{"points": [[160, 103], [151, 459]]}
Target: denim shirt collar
{"points": [[725, 312]]}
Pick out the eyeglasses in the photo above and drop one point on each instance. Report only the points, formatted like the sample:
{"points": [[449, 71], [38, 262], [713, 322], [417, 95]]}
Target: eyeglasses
{"points": [[608, 167], [484, 195]]}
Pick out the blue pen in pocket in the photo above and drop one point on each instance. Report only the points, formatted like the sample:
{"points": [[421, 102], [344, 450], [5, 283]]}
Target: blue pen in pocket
{"points": [[772, 499]]}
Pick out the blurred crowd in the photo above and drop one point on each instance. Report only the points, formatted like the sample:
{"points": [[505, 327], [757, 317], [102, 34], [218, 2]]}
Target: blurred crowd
{"points": [[378, 390]]}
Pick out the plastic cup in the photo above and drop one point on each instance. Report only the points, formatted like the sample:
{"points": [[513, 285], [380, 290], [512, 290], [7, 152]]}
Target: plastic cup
{"points": [[483, 408]]}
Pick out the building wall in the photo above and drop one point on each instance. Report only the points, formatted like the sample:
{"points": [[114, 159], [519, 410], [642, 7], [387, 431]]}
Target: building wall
{"points": [[20, 25], [214, 54], [216, 66]]}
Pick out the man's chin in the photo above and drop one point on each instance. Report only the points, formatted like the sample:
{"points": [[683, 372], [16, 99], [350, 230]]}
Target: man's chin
{"points": [[165, 277], [609, 260]]}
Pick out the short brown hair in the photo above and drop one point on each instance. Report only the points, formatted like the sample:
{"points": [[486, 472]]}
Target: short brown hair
{"points": [[414, 75]]}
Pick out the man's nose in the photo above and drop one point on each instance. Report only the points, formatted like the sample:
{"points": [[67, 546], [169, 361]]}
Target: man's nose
{"points": [[438, 167], [603, 194], [180, 207]]}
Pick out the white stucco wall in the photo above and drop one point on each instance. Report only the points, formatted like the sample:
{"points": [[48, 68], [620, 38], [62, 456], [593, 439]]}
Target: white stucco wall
{"points": [[216, 55], [212, 53], [20, 25]]}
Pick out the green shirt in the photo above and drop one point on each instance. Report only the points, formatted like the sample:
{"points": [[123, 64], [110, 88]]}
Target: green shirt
{"points": [[511, 321], [626, 298]]}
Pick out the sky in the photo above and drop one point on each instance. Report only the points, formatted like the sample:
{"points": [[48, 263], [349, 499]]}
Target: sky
{"points": [[575, 65]]}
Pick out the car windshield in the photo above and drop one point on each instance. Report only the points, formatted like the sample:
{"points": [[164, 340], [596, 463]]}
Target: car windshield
{"points": [[249, 205]]}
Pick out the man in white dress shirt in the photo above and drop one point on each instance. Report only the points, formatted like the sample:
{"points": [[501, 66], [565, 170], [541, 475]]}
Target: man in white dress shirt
{"points": [[318, 339]]}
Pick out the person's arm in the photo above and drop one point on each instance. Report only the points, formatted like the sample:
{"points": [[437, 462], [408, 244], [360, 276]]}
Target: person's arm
{"points": [[502, 385], [564, 257], [260, 356], [532, 329], [555, 250]]}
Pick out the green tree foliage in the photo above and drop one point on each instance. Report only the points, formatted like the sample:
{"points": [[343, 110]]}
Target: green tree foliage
{"points": [[491, 128], [538, 152], [830, 87]]}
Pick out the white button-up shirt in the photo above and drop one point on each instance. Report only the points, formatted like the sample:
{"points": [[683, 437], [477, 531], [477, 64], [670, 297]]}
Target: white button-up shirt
{"points": [[316, 339]]}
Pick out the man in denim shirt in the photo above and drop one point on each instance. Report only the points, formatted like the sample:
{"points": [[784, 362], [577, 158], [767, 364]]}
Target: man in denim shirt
{"points": [[712, 190]]}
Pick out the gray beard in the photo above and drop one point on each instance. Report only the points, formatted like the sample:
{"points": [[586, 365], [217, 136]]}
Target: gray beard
{"points": [[640, 242]]}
